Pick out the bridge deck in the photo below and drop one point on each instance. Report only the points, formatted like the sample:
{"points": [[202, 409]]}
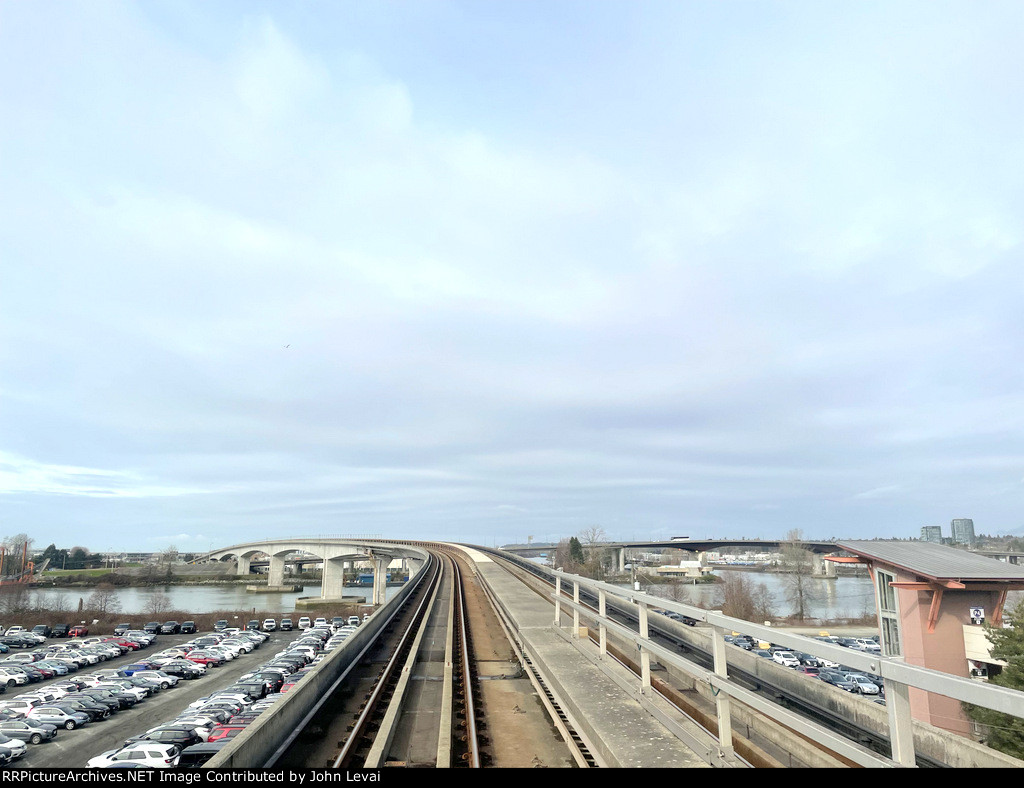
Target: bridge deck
{"points": [[629, 736]]}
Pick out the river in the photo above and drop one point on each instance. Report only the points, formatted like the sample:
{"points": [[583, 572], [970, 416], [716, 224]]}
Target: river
{"points": [[193, 598]]}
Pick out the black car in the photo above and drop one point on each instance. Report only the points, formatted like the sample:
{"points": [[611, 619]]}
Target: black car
{"points": [[286, 625], [253, 625], [42, 629], [196, 756], [837, 680], [120, 629], [152, 628], [188, 627], [60, 631], [92, 709], [182, 671], [169, 628], [254, 689], [178, 735]]}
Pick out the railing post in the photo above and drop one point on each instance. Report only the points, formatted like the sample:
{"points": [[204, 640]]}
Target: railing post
{"points": [[645, 655], [558, 601], [576, 610], [602, 609], [722, 709], [901, 731]]}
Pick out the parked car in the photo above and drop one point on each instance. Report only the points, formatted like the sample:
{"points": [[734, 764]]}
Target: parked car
{"points": [[42, 629], [79, 631], [196, 756], [220, 626], [28, 731], [837, 680], [304, 622], [17, 747], [787, 658], [269, 625], [152, 628], [53, 715], [154, 755], [864, 685], [188, 627], [286, 625]]}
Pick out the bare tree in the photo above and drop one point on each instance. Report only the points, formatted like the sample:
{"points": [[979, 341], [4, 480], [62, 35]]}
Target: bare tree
{"points": [[158, 603], [797, 564], [595, 557], [104, 600], [737, 596], [53, 603]]}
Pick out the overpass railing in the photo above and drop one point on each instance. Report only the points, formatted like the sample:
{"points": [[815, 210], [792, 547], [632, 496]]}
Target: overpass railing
{"points": [[897, 675]]}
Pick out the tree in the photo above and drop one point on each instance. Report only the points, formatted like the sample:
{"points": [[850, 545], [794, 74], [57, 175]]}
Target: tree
{"points": [[595, 558], [158, 603], [15, 547], [576, 551], [104, 599], [1004, 732], [738, 597], [797, 563]]}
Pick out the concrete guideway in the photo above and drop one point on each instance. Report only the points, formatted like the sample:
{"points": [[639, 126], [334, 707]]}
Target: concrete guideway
{"points": [[616, 727]]}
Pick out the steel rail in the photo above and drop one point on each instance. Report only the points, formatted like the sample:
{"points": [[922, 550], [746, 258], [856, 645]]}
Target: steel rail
{"points": [[467, 674], [369, 708], [289, 740], [385, 734]]}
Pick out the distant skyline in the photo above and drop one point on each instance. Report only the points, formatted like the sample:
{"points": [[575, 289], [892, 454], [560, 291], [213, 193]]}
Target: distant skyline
{"points": [[481, 271]]}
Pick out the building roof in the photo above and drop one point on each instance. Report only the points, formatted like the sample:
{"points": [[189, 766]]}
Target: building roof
{"points": [[936, 561]]}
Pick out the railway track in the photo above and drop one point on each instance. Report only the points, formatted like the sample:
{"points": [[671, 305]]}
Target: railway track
{"points": [[414, 697]]}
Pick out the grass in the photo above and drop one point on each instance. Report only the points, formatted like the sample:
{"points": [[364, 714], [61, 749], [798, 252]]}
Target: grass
{"points": [[65, 572]]}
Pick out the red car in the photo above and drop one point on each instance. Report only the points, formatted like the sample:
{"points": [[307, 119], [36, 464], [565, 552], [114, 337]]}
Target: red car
{"points": [[78, 632], [218, 732], [205, 658], [122, 642]]}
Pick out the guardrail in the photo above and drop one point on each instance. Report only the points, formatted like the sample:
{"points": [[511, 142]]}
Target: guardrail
{"points": [[897, 675]]}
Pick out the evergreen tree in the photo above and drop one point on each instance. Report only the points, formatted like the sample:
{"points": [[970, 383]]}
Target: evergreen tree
{"points": [[1005, 732], [576, 551]]}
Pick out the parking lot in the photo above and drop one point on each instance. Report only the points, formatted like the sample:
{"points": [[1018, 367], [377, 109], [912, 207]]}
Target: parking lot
{"points": [[75, 748]]}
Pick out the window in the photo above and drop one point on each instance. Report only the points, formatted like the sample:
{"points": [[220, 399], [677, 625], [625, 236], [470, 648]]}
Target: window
{"points": [[889, 615]]}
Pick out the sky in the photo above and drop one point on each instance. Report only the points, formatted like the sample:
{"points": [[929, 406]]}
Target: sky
{"points": [[489, 271]]}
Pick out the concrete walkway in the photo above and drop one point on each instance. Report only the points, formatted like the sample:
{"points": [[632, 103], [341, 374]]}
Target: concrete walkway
{"points": [[620, 731]]}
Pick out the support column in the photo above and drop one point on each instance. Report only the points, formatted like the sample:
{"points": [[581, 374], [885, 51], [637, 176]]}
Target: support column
{"points": [[332, 586], [276, 577], [645, 655], [575, 610], [243, 564], [722, 705], [380, 579], [901, 730], [558, 601], [622, 560]]}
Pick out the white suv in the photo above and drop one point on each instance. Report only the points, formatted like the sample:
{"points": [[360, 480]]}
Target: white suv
{"points": [[787, 658], [304, 622]]}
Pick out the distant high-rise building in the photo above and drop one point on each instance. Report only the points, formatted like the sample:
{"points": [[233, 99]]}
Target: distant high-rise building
{"points": [[931, 533], [963, 531]]}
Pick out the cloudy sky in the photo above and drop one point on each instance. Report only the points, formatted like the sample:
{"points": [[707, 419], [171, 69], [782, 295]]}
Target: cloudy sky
{"points": [[481, 271]]}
